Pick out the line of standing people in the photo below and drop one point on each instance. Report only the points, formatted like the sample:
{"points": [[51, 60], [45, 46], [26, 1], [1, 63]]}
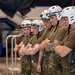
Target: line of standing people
{"points": [[50, 44]]}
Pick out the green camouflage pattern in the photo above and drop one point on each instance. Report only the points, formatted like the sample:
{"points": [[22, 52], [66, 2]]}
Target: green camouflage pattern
{"points": [[26, 60], [54, 65], [25, 65], [51, 64], [45, 63], [34, 58], [69, 69]]}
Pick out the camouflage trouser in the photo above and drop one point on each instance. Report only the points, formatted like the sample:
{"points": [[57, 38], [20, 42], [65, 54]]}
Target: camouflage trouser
{"points": [[25, 65], [34, 68], [51, 64], [54, 66], [45, 63], [67, 71]]}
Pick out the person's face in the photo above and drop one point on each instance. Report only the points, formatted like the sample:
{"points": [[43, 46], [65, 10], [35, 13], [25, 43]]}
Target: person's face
{"points": [[65, 21], [61, 22], [35, 30], [27, 30], [54, 20], [47, 24]]}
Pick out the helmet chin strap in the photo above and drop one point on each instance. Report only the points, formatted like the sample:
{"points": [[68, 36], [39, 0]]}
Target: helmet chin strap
{"points": [[56, 26], [69, 28]]}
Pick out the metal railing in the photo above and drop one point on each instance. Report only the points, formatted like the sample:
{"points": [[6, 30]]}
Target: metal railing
{"points": [[13, 39]]}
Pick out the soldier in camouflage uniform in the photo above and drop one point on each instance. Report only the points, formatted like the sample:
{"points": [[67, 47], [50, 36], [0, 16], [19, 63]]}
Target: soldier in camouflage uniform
{"points": [[25, 60], [53, 61], [36, 29], [49, 27], [66, 48]]}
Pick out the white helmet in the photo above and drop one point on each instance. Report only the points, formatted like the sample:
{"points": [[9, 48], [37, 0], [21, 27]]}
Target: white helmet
{"points": [[69, 12], [26, 23], [44, 15], [41, 26], [43, 12], [38, 23], [55, 10]]}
